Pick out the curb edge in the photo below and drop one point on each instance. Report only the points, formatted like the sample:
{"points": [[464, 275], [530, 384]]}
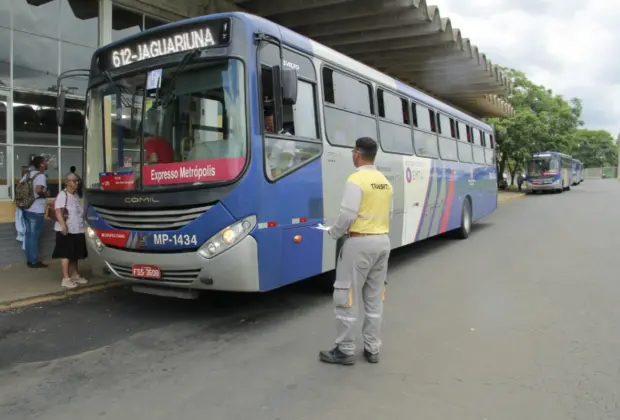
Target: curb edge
{"points": [[519, 195], [54, 296]]}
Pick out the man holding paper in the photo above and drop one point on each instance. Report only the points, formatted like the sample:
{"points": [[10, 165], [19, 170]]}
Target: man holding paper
{"points": [[361, 270]]}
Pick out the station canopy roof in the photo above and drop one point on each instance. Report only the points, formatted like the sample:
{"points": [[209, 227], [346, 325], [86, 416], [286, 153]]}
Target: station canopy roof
{"points": [[406, 39]]}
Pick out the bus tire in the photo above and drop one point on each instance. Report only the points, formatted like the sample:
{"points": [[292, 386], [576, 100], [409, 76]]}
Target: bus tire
{"points": [[466, 221]]}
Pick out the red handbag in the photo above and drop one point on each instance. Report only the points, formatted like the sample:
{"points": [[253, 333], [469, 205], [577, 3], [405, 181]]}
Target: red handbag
{"points": [[51, 210]]}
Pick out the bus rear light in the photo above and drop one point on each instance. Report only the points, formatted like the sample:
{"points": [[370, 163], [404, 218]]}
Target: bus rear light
{"points": [[227, 237]]}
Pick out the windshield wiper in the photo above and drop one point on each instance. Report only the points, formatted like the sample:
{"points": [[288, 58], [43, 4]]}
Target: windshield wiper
{"points": [[166, 94], [120, 90]]}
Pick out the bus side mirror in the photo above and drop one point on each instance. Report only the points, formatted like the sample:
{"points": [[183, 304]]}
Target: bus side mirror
{"points": [[289, 87], [60, 107]]}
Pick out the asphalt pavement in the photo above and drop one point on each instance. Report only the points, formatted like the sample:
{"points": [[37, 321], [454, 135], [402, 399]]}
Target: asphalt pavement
{"points": [[521, 321]]}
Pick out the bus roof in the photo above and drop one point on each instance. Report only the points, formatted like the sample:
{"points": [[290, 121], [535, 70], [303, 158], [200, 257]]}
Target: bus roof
{"points": [[310, 47]]}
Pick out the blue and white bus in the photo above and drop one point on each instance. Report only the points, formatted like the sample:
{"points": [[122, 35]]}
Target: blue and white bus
{"points": [[549, 171], [577, 172], [213, 145]]}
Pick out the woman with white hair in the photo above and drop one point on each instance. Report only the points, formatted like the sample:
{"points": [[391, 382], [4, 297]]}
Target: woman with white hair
{"points": [[70, 239]]}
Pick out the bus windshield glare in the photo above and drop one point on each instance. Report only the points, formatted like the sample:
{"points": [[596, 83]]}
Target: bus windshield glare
{"points": [[542, 166], [172, 127]]}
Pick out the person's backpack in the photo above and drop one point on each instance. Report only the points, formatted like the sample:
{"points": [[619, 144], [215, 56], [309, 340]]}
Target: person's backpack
{"points": [[24, 193]]}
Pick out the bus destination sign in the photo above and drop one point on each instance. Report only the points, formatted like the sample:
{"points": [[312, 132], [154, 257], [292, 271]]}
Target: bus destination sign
{"points": [[208, 34]]}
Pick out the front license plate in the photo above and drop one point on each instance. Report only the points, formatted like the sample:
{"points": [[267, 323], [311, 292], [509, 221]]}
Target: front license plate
{"points": [[145, 271]]}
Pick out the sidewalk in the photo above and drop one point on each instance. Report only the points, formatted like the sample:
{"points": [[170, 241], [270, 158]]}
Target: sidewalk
{"points": [[508, 194], [21, 286]]}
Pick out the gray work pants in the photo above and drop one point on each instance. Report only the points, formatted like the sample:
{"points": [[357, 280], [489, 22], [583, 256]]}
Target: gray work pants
{"points": [[361, 271]]}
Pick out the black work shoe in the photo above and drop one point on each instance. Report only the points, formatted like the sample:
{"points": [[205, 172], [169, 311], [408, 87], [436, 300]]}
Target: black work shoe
{"points": [[38, 264], [335, 356], [371, 357]]}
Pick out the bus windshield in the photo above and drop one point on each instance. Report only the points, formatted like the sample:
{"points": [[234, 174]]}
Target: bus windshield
{"points": [[181, 129], [542, 166]]}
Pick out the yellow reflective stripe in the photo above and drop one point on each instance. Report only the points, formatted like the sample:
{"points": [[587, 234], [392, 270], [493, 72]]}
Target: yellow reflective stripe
{"points": [[383, 293], [350, 297]]}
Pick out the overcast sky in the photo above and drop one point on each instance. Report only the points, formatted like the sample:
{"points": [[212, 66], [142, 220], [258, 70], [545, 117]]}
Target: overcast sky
{"points": [[569, 46]]}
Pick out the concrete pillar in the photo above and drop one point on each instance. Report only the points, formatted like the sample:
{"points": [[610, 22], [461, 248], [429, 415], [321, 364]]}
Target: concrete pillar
{"points": [[105, 22], [105, 37]]}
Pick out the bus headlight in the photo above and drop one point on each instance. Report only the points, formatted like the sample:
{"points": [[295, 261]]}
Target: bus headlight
{"points": [[227, 237], [95, 239]]}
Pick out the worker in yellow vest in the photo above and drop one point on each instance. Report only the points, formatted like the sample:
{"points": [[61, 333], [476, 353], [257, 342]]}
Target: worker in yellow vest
{"points": [[361, 269]]}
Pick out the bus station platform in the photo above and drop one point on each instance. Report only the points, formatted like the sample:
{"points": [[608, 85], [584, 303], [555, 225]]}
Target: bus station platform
{"points": [[21, 286]]}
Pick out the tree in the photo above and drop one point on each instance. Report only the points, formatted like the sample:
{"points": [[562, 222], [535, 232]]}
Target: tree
{"points": [[542, 121], [595, 148]]}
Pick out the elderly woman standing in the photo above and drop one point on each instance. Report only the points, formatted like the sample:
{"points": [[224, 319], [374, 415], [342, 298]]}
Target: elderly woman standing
{"points": [[70, 240]]}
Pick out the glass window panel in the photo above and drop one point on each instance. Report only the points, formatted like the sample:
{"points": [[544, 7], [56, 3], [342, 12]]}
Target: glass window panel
{"points": [[465, 153], [151, 22], [40, 19], [284, 156], [395, 138], [5, 173], [349, 93], [448, 149], [5, 56], [23, 155], [34, 119], [79, 22], [72, 131], [3, 116], [343, 127], [393, 107], [5, 13], [425, 144], [304, 111], [424, 121], [489, 155], [70, 157], [35, 62], [479, 155], [73, 57], [125, 22]]}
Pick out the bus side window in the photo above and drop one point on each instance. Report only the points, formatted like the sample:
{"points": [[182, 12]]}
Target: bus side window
{"points": [[283, 153], [348, 107]]}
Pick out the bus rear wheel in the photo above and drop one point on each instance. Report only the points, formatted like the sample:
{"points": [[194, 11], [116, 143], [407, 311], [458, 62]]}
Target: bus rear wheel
{"points": [[466, 222]]}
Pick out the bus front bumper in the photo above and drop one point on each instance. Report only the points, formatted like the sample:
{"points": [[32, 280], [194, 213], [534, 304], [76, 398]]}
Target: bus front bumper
{"points": [[544, 187], [236, 269]]}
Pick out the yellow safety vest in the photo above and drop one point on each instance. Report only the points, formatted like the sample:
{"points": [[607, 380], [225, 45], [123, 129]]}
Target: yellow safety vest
{"points": [[374, 212]]}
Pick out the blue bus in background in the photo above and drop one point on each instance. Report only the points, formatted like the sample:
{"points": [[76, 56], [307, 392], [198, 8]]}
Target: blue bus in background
{"points": [[549, 171], [214, 145], [577, 172]]}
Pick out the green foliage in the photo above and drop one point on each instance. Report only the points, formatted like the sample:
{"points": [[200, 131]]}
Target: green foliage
{"points": [[546, 121], [596, 148]]}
